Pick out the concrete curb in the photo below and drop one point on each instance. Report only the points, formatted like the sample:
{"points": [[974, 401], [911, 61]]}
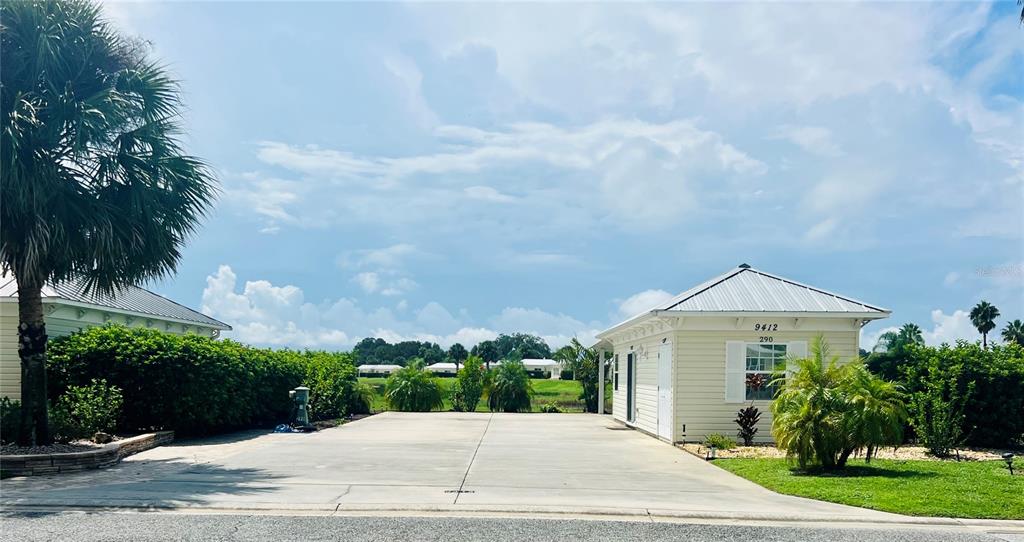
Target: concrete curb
{"points": [[606, 514]]}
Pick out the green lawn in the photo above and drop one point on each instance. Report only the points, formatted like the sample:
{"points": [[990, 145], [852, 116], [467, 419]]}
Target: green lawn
{"points": [[564, 393], [968, 489]]}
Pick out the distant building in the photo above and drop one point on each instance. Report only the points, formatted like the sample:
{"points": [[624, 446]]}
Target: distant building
{"points": [[377, 370], [444, 368], [549, 367]]}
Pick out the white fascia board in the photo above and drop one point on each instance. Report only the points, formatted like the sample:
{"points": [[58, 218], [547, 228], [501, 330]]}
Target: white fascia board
{"points": [[641, 318], [776, 314]]}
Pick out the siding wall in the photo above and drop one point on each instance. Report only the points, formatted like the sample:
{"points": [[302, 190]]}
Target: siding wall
{"points": [[646, 381], [700, 374], [65, 320]]}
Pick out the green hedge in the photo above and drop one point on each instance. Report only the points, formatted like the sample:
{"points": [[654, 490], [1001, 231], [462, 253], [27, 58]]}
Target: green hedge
{"points": [[994, 411], [197, 385]]}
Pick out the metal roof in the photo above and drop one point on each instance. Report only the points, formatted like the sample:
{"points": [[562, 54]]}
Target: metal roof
{"points": [[748, 290], [745, 289], [130, 298]]}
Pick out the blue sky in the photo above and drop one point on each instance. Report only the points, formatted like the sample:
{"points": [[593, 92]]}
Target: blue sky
{"points": [[452, 171]]}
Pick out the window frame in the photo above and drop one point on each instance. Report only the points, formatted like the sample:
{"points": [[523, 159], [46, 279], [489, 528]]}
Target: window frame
{"points": [[779, 363]]}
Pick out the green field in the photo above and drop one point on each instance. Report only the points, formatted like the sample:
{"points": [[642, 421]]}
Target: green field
{"points": [[563, 393], [968, 489]]}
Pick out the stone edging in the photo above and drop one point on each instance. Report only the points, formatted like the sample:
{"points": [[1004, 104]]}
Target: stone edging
{"points": [[109, 454]]}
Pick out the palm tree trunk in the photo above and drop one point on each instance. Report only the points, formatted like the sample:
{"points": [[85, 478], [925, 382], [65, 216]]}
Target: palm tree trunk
{"points": [[35, 427], [984, 341]]}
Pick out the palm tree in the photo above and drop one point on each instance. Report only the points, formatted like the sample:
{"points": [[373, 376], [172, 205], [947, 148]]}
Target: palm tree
{"points": [[897, 340], [95, 183], [983, 316], [1014, 332]]}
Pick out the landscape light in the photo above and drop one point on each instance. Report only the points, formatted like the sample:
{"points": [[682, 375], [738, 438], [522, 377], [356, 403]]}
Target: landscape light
{"points": [[1008, 457], [712, 453]]}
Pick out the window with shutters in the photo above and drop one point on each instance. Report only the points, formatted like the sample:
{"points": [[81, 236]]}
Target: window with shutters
{"points": [[764, 361]]}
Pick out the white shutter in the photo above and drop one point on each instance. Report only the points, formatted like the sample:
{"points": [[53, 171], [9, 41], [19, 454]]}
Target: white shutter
{"points": [[794, 350], [735, 372]]}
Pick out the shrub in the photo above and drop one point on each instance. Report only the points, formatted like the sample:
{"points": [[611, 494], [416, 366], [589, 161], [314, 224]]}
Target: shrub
{"points": [[511, 389], [85, 410], [331, 379], [550, 408], [719, 441], [826, 411], [361, 400], [469, 385], [937, 404], [198, 385], [747, 419], [411, 389], [10, 420], [983, 391]]}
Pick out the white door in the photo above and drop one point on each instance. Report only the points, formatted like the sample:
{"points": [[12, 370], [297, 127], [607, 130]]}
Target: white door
{"points": [[665, 391]]}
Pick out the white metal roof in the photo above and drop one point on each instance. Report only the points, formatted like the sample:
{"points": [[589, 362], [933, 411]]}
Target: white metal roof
{"points": [[540, 362], [748, 290], [442, 366], [745, 289], [129, 299], [379, 367]]}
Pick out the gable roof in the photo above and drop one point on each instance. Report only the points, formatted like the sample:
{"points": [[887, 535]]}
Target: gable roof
{"points": [[745, 289], [131, 299]]}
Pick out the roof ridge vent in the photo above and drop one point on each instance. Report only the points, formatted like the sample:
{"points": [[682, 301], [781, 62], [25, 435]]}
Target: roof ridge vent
{"points": [[744, 266]]}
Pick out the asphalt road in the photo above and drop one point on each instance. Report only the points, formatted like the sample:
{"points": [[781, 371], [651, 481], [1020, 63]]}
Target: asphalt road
{"points": [[139, 527]]}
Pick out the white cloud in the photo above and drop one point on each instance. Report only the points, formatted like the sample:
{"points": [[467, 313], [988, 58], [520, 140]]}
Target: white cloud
{"points": [[265, 314], [390, 257], [608, 166], [813, 139], [951, 278], [368, 281], [947, 328], [487, 193], [642, 302]]}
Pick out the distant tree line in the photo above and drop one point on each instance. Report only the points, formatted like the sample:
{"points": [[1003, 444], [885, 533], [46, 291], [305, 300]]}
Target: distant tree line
{"points": [[374, 350]]}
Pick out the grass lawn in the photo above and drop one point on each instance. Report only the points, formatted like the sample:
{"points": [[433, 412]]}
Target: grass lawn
{"points": [[563, 393], [969, 489]]}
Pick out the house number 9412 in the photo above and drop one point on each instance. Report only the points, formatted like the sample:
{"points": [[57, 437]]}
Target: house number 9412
{"points": [[766, 327]]}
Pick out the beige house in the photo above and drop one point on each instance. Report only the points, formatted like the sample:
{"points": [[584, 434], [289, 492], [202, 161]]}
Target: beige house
{"points": [[680, 370], [68, 310]]}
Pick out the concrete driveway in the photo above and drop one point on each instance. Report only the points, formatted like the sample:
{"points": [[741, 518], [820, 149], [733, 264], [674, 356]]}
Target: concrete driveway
{"points": [[470, 462]]}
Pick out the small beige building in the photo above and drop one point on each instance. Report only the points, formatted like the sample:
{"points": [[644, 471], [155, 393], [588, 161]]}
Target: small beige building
{"points": [[680, 370], [68, 310]]}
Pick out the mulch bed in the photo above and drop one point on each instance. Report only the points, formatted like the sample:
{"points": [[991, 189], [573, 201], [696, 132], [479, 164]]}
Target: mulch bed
{"points": [[916, 453]]}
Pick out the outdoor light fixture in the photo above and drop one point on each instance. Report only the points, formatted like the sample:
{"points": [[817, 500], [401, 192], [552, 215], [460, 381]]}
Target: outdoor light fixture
{"points": [[1008, 457], [712, 454]]}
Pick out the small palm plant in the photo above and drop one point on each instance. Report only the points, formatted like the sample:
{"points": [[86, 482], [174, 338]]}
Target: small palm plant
{"points": [[875, 413], [511, 388], [412, 389], [827, 411]]}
